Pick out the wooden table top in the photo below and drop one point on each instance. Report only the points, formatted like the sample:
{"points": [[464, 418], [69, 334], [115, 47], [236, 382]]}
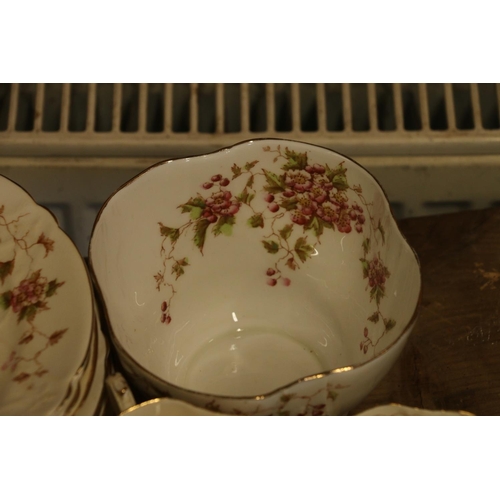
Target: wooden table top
{"points": [[452, 359]]}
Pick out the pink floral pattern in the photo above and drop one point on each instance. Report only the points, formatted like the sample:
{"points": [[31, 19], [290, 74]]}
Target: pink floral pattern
{"points": [[314, 404], [305, 198], [26, 300]]}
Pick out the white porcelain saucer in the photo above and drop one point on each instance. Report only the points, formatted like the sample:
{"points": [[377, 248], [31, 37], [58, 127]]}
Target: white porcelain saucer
{"points": [[46, 307]]}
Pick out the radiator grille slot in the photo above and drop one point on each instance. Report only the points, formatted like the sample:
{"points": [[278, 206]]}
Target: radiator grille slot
{"points": [[489, 95], [329, 111]]}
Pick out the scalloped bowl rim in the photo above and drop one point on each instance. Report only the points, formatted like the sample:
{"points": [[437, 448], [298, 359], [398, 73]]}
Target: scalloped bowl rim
{"points": [[170, 162]]}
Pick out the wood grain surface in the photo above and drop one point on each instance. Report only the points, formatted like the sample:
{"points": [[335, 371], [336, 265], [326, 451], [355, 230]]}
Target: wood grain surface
{"points": [[452, 359]]}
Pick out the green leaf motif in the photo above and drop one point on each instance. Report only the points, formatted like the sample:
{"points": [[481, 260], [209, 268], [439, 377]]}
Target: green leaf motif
{"points": [[289, 204], [200, 231], [365, 265], [236, 171], [286, 231], [52, 287], [177, 270], [382, 231], [196, 204], [275, 184], [224, 225], [296, 161], [332, 395], [271, 246], [6, 269], [243, 196], [164, 230], [174, 235], [389, 324], [366, 245], [28, 312], [287, 397], [256, 221], [250, 165], [303, 249], [374, 317], [57, 336], [377, 293], [196, 213], [337, 177], [5, 299], [249, 183], [316, 225], [340, 182]]}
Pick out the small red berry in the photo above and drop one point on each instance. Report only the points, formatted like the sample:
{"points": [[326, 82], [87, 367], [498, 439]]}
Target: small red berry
{"points": [[168, 320], [319, 168], [224, 182], [164, 306], [365, 333], [310, 169], [359, 228], [270, 271], [216, 178], [361, 219], [271, 282], [212, 219], [286, 281], [207, 185], [365, 349], [163, 318], [288, 194], [273, 207], [269, 198]]}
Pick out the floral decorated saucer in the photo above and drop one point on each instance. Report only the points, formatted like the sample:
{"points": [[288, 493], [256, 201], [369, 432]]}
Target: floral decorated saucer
{"points": [[266, 278], [46, 307]]}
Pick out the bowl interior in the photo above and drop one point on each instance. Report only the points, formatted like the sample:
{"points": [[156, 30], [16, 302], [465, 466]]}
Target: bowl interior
{"points": [[241, 271]]}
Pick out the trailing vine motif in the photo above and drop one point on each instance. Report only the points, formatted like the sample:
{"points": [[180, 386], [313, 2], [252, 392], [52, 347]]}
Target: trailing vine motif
{"points": [[26, 298], [304, 201]]}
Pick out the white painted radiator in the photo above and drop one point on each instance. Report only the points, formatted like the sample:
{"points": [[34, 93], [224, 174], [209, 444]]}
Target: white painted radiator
{"points": [[434, 147]]}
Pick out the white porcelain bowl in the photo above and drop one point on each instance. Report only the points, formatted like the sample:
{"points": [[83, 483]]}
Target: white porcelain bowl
{"points": [[266, 278]]}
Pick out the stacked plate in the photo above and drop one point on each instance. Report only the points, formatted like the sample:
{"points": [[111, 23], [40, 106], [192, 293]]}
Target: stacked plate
{"points": [[52, 350]]}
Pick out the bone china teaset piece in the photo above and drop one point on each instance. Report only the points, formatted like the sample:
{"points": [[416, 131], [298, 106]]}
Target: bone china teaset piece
{"points": [[269, 278], [52, 349]]}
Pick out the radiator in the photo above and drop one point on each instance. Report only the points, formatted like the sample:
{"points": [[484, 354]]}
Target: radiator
{"points": [[435, 148]]}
